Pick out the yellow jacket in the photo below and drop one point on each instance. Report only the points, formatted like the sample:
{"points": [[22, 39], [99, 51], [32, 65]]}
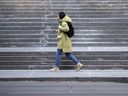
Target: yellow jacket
{"points": [[64, 42]]}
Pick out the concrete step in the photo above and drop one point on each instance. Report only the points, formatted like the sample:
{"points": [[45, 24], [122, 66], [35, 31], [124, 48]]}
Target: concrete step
{"points": [[54, 20], [77, 31], [55, 27], [112, 15], [44, 58], [65, 75], [52, 27], [23, 19], [73, 40], [87, 10], [53, 40], [93, 44], [68, 9], [53, 44], [38, 24], [91, 20], [100, 15]]}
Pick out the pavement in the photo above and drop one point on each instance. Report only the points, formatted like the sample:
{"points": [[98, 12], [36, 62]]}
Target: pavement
{"points": [[65, 75], [36, 88]]}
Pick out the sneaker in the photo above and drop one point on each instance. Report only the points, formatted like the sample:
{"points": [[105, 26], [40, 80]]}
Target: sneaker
{"points": [[79, 65], [55, 69]]}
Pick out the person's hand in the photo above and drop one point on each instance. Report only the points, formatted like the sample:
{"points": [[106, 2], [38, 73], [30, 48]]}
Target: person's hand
{"points": [[56, 30]]}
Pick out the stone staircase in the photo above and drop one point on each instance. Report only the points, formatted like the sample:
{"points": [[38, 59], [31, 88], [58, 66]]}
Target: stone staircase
{"points": [[30, 24], [45, 60]]}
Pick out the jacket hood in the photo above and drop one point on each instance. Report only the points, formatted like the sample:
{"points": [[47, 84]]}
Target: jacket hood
{"points": [[67, 18]]}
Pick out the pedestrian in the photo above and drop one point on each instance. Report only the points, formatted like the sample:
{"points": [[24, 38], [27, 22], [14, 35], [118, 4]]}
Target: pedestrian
{"points": [[64, 43]]}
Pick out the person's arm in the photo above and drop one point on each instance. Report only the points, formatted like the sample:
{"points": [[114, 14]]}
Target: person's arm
{"points": [[64, 27]]}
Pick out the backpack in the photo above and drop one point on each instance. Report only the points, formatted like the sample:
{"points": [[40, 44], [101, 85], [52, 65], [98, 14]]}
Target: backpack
{"points": [[70, 33]]}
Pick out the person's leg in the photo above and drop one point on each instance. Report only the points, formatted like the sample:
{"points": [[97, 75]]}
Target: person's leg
{"points": [[58, 57], [72, 57], [58, 60], [75, 60]]}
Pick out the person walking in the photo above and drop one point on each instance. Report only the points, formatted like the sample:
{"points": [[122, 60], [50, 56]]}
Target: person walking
{"points": [[64, 43]]}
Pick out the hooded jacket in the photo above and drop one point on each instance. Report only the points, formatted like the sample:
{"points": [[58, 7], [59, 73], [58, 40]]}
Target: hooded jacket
{"points": [[64, 42]]}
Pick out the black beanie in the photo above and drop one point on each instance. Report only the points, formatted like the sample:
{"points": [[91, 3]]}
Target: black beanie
{"points": [[61, 15]]}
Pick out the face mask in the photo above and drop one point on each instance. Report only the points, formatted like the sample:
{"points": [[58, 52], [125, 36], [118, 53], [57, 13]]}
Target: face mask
{"points": [[59, 20]]}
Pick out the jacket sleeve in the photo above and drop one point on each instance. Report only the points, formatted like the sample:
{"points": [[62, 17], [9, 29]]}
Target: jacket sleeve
{"points": [[64, 27]]}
